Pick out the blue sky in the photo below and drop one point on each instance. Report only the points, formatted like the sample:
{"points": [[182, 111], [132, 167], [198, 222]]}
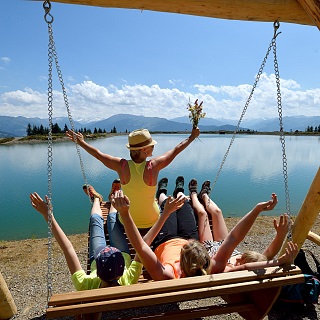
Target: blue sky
{"points": [[150, 63]]}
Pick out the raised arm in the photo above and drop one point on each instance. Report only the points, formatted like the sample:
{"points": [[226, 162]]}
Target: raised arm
{"points": [[282, 229], [109, 161], [238, 233], [146, 255], [164, 160], [63, 241]]}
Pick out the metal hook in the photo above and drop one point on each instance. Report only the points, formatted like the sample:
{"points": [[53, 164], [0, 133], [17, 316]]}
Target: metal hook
{"points": [[276, 26], [47, 7]]}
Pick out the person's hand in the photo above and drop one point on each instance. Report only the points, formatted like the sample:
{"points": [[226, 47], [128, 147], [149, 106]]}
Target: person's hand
{"points": [[74, 136], [268, 205], [173, 204], [121, 202], [195, 133], [283, 226], [291, 252], [40, 205]]}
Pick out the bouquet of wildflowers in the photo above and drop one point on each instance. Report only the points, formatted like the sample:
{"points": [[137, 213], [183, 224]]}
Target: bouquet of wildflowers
{"points": [[195, 112]]}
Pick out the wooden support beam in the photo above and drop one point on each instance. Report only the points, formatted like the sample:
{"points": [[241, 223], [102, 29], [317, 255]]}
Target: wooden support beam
{"points": [[249, 10], [312, 8], [307, 214], [7, 306]]}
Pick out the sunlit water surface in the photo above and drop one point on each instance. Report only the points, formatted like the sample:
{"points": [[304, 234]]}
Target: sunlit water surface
{"points": [[252, 171]]}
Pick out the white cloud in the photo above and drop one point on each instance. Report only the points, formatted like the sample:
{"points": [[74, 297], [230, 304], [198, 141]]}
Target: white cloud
{"points": [[5, 60], [88, 100]]}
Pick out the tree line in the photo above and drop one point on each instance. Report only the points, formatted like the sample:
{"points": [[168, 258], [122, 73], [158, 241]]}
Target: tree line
{"points": [[41, 130], [313, 129]]}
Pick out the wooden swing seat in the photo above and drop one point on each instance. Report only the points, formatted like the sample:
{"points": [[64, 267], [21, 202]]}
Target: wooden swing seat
{"points": [[249, 293]]}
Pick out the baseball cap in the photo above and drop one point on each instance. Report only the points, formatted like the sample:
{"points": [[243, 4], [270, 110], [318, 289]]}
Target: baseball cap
{"points": [[110, 263]]}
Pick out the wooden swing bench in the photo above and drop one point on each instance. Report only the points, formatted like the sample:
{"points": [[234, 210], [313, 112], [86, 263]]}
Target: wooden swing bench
{"points": [[249, 293]]}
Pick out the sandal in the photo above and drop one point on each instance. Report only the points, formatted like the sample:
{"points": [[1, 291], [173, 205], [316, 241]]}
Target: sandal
{"points": [[162, 187], [116, 186], [179, 186], [85, 189], [94, 194], [193, 186], [204, 189]]}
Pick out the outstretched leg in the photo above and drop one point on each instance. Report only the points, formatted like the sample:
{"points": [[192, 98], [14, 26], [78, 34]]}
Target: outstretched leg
{"points": [[219, 227], [97, 236], [203, 221]]}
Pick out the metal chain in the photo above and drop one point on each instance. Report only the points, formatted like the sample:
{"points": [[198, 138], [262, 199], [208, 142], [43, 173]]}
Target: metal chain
{"points": [[282, 137], [244, 110], [65, 98], [52, 55], [47, 6]]}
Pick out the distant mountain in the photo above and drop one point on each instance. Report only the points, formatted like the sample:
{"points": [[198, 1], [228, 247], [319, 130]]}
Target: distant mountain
{"points": [[205, 121], [128, 122], [17, 126], [299, 123]]}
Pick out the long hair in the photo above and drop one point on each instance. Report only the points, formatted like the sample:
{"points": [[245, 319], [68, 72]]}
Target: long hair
{"points": [[194, 259]]}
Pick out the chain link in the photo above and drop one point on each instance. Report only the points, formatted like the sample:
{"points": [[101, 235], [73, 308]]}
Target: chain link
{"points": [[52, 56], [50, 161], [282, 137]]}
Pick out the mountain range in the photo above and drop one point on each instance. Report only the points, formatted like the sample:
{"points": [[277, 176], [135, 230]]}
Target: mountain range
{"points": [[17, 126]]}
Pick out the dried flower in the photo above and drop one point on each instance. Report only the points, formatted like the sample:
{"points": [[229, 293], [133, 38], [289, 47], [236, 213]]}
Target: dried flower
{"points": [[195, 112]]}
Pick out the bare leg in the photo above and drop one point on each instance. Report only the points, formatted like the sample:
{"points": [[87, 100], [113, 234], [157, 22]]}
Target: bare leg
{"points": [[203, 221], [96, 207], [161, 198], [219, 228]]}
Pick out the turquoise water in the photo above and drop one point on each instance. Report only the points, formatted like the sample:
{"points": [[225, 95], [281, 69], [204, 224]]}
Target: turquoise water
{"points": [[252, 171]]}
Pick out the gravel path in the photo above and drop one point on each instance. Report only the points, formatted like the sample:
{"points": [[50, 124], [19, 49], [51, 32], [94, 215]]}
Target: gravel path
{"points": [[23, 265]]}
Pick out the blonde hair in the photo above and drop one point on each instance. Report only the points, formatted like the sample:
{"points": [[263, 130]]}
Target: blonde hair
{"points": [[194, 259], [252, 256]]}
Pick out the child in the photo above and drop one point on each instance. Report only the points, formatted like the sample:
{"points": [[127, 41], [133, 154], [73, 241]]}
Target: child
{"points": [[213, 240], [109, 266]]}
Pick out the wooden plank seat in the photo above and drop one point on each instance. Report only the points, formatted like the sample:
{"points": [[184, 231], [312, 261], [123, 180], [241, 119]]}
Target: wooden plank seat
{"points": [[250, 293]]}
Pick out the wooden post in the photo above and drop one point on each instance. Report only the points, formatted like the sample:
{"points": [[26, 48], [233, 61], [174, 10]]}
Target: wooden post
{"points": [[307, 214], [7, 306]]}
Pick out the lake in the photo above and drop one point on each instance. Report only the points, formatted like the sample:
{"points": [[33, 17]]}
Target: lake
{"points": [[252, 171]]}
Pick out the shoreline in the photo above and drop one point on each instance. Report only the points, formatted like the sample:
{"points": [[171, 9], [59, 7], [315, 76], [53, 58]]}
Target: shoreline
{"points": [[24, 267], [25, 140]]}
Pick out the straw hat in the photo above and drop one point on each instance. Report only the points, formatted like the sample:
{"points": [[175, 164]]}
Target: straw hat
{"points": [[139, 139]]}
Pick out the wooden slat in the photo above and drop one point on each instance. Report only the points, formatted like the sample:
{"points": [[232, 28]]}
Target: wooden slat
{"points": [[169, 285], [249, 10], [314, 237], [151, 299]]}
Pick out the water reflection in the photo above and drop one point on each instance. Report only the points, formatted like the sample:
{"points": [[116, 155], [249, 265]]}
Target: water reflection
{"points": [[252, 171]]}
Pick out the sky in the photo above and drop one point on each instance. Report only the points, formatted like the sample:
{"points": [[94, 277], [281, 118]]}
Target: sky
{"points": [[148, 63]]}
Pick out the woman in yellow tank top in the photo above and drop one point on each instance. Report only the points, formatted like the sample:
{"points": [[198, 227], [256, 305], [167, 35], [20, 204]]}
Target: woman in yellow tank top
{"points": [[138, 178]]}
